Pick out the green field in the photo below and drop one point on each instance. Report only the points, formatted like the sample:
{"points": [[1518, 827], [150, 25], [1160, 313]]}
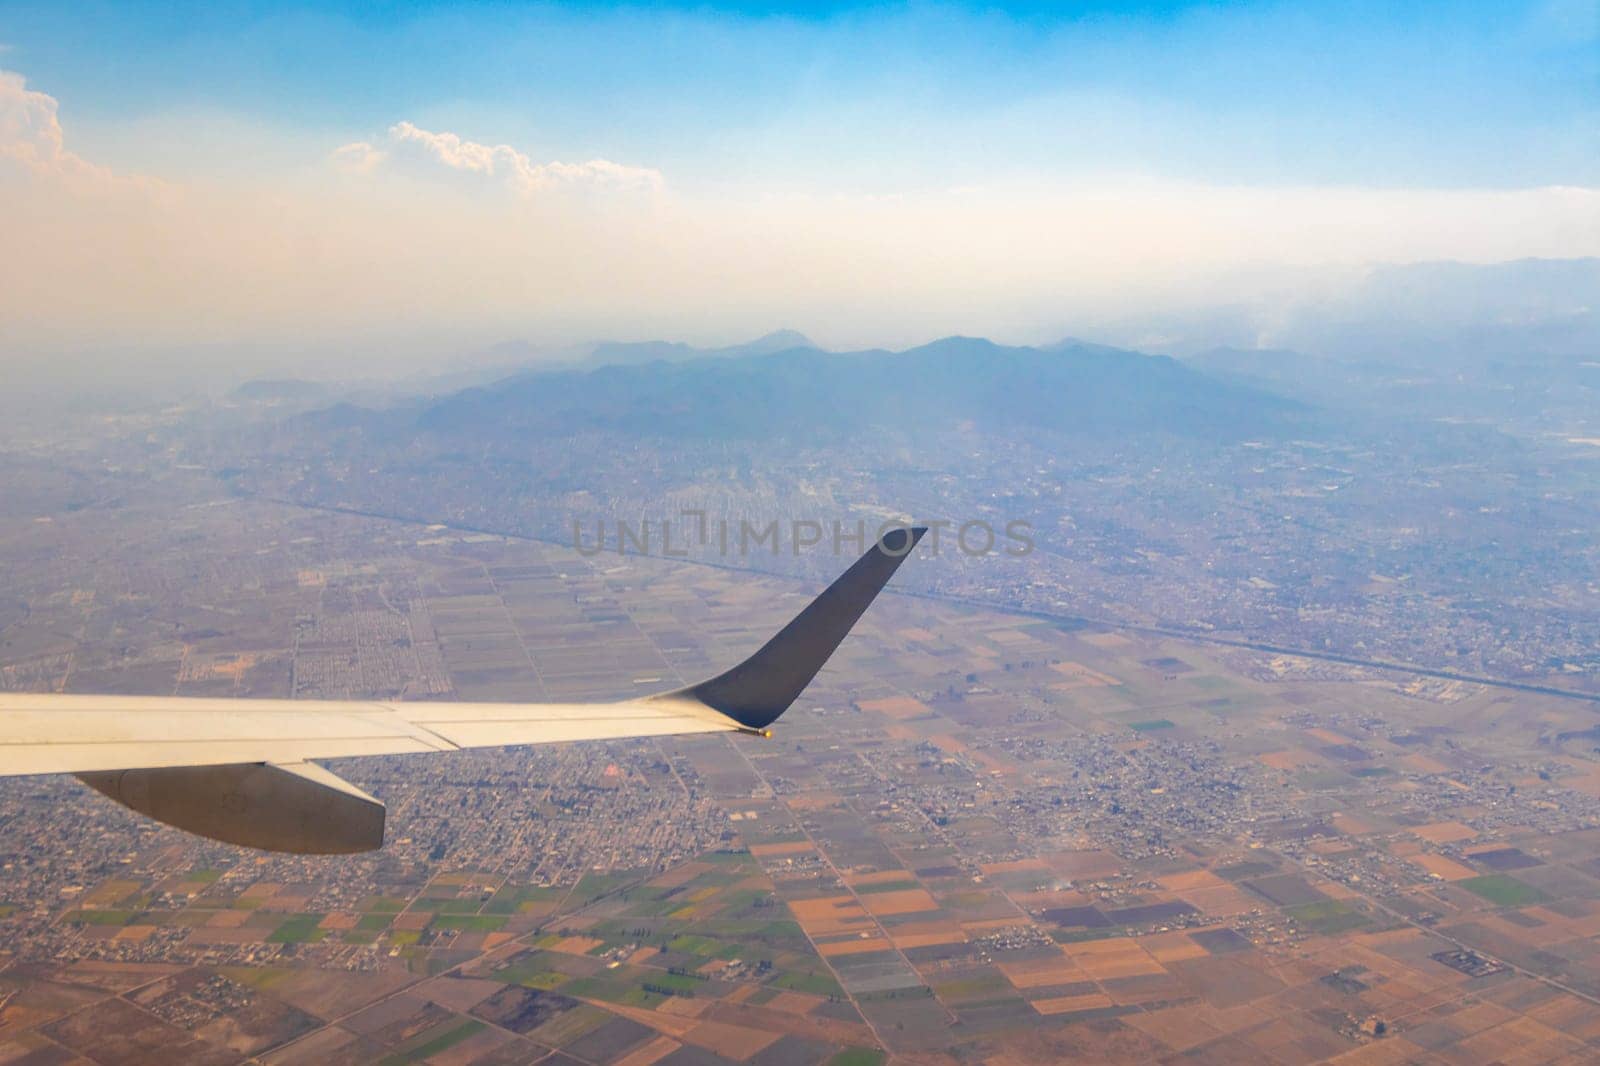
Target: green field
{"points": [[814, 983], [472, 923], [857, 1056], [1504, 890], [1327, 917], [1152, 724], [300, 929]]}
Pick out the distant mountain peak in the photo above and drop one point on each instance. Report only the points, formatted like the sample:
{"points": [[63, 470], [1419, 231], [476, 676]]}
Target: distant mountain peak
{"points": [[636, 353], [779, 340]]}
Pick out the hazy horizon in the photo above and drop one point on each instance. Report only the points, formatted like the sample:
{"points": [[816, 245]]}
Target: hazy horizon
{"points": [[186, 195]]}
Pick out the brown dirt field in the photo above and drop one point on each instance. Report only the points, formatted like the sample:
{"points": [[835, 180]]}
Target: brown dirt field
{"points": [[826, 908], [926, 934], [654, 1051], [1570, 1015], [339, 920], [731, 1041], [1106, 640], [205, 935], [1170, 947], [1295, 1038], [788, 847], [576, 945], [1289, 759], [815, 801], [1066, 1004], [810, 1026], [119, 976], [460, 993], [862, 924], [1180, 1028], [1477, 1017], [795, 1002], [1081, 676], [904, 901], [673, 1023], [1440, 866], [1148, 988], [1191, 880], [206, 668], [1221, 901], [897, 707], [1106, 967], [1424, 765], [1046, 900], [1041, 973], [1243, 1016], [880, 877], [1393, 1051], [853, 947], [1444, 832], [332, 994], [1589, 926], [1522, 1040], [1079, 863], [1351, 825], [112, 890]]}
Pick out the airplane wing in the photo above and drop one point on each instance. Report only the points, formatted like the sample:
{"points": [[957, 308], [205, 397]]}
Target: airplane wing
{"points": [[239, 770]]}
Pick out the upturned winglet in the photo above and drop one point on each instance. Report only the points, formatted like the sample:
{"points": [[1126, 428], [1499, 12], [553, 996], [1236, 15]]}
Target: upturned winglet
{"points": [[761, 688]]}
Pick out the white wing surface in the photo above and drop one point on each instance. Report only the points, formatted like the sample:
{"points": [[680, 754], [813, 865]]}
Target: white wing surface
{"points": [[51, 734], [240, 770]]}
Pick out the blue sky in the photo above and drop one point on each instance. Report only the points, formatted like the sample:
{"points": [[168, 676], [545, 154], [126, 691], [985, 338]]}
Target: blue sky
{"points": [[339, 176], [1457, 94]]}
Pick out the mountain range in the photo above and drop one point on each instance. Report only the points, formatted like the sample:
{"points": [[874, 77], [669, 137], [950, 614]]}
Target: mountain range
{"points": [[746, 393]]}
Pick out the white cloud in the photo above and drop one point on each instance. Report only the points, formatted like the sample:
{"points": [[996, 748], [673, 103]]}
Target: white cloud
{"points": [[33, 147], [31, 138], [411, 149]]}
